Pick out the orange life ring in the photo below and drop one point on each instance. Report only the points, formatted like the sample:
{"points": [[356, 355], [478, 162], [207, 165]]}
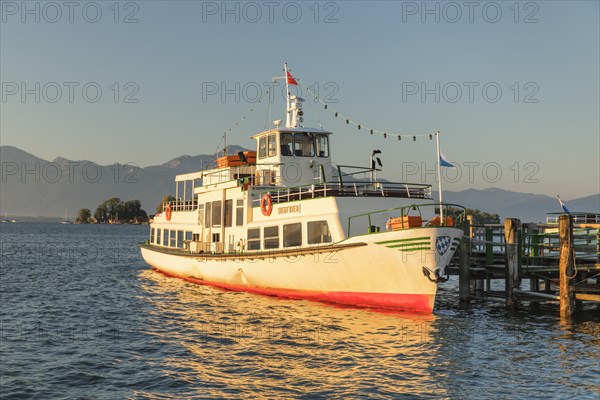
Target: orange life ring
{"points": [[168, 212], [266, 205]]}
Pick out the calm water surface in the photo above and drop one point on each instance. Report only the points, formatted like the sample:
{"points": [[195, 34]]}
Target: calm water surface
{"points": [[82, 316]]}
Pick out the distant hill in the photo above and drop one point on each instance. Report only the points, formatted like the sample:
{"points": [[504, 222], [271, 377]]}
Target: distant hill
{"points": [[526, 206], [36, 187]]}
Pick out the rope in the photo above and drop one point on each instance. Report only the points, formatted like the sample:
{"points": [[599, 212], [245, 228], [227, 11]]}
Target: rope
{"points": [[241, 120], [361, 126]]}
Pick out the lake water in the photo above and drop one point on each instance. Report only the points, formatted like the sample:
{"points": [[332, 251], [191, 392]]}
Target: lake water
{"points": [[82, 316]]}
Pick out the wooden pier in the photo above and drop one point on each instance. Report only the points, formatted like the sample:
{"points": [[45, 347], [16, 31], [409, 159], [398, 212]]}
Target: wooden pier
{"points": [[556, 261]]}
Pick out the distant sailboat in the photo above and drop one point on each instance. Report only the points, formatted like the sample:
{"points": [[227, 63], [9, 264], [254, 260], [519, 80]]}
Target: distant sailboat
{"points": [[5, 217], [65, 221]]}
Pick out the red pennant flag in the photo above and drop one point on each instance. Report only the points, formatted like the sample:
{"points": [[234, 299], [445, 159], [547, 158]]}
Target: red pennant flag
{"points": [[291, 80]]}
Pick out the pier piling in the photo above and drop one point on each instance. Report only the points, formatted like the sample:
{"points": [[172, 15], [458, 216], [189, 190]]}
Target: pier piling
{"points": [[566, 267], [511, 228], [464, 285]]}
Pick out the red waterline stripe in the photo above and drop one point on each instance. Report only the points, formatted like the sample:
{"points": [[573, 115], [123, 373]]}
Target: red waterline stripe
{"points": [[420, 303]]}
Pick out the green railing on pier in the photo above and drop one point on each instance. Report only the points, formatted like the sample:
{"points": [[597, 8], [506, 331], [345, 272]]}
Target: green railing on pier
{"points": [[538, 244]]}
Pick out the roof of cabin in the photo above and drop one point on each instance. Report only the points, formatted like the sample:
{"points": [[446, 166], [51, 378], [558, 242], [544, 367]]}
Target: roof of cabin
{"points": [[299, 129]]}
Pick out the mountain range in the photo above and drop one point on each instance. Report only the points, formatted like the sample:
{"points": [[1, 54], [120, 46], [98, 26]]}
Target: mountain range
{"points": [[32, 187]]}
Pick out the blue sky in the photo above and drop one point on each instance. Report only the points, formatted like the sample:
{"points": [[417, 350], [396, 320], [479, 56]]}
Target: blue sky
{"points": [[370, 60]]}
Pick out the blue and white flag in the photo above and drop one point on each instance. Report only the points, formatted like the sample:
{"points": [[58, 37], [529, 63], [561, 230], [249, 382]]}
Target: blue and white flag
{"points": [[565, 209], [444, 161]]}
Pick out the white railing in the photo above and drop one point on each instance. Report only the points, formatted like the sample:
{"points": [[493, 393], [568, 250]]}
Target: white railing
{"points": [[351, 189]]}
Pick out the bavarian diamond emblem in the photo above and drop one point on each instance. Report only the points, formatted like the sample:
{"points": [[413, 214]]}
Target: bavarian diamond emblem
{"points": [[442, 243]]}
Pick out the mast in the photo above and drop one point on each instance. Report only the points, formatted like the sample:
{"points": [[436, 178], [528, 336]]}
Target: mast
{"points": [[439, 174], [287, 96]]}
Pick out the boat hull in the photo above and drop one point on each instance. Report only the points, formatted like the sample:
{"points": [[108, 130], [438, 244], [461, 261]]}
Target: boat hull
{"points": [[384, 270]]}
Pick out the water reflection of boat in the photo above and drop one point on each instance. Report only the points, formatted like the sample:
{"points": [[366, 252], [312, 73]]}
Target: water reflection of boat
{"points": [[242, 343]]}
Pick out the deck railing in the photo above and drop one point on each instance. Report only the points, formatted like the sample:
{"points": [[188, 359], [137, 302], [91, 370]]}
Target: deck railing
{"points": [[428, 215], [180, 205], [350, 189]]}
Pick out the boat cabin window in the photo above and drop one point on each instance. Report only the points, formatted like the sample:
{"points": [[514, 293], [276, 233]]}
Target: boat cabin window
{"points": [[216, 213], [166, 238], [272, 142], [158, 237], [322, 143], [201, 214], [207, 214], [188, 235], [287, 141], [292, 235], [254, 239], [239, 212], [172, 239], [152, 235], [228, 213], [318, 232], [180, 239], [262, 147], [304, 145], [271, 237]]}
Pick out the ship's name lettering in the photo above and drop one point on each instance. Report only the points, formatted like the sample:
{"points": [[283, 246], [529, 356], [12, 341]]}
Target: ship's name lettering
{"points": [[289, 209]]}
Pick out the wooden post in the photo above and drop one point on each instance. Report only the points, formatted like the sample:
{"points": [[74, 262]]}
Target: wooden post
{"points": [[464, 290], [511, 227], [489, 247], [567, 294]]}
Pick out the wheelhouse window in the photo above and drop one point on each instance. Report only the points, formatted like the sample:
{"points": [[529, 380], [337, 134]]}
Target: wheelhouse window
{"points": [[287, 143], [262, 147], [318, 232], [228, 213], [272, 144], [292, 235], [304, 145], [322, 143], [239, 212], [158, 237], [152, 235], [188, 235], [253, 239], [271, 237], [166, 238]]}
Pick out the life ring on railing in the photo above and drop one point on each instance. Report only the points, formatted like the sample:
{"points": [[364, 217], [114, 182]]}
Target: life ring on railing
{"points": [[168, 212], [266, 205]]}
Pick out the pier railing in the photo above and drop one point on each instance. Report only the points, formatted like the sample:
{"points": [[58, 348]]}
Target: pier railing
{"points": [[538, 244]]}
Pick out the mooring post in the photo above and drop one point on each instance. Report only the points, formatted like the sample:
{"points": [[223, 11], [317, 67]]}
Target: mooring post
{"points": [[567, 294], [464, 289], [511, 228]]}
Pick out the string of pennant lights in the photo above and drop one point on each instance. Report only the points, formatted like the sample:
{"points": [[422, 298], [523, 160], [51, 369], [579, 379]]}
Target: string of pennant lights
{"points": [[360, 126], [240, 121]]}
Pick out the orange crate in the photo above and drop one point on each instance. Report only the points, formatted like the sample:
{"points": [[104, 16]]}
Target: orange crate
{"points": [[435, 221], [406, 222]]}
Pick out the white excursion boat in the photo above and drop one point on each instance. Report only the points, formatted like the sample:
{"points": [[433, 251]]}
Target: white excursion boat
{"points": [[286, 221]]}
